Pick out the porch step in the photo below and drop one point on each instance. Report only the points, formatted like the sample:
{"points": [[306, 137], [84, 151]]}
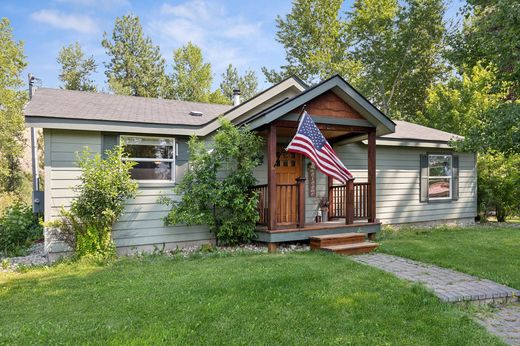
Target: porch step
{"points": [[318, 242], [352, 249]]}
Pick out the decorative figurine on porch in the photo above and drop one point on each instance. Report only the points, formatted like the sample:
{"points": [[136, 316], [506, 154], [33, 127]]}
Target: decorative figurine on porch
{"points": [[323, 209]]}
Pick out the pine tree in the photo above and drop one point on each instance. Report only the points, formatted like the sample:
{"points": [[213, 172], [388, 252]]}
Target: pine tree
{"points": [[247, 84], [76, 68], [136, 66]]}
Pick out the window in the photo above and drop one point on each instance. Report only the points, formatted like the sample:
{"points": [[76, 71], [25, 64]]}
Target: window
{"points": [[155, 157], [440, 176]]}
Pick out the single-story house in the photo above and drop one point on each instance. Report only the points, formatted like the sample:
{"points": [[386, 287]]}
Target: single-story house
{"points": [[404, 173]]}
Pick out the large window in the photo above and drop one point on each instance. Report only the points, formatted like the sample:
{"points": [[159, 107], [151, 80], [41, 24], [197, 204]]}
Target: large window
{"points": [[440, 177], [155, 157]]}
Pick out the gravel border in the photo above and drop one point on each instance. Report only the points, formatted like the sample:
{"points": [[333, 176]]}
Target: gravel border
{"points": [[36, 257]]}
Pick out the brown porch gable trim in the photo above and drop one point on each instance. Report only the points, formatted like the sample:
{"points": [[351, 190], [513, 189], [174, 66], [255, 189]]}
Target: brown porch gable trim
{"points": [[330, 127], [344, 90]]}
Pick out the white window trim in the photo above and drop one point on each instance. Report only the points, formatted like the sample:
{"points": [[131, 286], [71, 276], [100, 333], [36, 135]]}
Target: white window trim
{"points": [[449, 177], [148, 159]]}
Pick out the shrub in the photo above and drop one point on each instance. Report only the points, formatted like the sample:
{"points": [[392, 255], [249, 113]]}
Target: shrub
{"points": [[216, 189], [18, 228], [499, 184], [105, 186]]}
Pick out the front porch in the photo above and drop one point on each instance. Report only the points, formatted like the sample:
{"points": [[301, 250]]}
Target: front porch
{"points": [[291, 188], [287, 211]]}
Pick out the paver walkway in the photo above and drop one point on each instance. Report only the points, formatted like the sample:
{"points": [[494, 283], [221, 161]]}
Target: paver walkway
{"points": [[448, 285], [505, 323], [453, 286]]}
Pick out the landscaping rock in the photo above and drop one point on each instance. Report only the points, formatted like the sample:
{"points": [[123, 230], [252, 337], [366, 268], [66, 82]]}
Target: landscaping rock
{"points": [[36, 256]]}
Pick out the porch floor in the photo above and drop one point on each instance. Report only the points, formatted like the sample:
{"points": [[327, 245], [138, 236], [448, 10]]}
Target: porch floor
{"points": [[315, 229]]}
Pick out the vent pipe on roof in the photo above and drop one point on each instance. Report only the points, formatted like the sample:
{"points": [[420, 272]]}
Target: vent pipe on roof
{"points": [[236, 97]]}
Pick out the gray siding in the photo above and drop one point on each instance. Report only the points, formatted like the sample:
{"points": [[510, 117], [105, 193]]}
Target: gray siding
{"points": [[398, 184], [141, 224]]}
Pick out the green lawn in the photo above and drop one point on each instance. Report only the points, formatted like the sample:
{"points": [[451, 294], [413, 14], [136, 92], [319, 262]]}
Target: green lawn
{"points": [[491, 252], [299, 298]]}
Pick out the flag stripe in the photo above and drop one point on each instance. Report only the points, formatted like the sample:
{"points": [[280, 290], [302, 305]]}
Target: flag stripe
{"points": [[309, 141], [327, 159], [305, 151]]}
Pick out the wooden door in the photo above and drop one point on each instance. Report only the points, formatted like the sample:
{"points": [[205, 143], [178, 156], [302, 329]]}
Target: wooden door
{"points": [[288, 167]]}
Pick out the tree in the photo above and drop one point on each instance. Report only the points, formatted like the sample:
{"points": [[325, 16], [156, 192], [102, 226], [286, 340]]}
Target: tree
{"points": [[316, 42], [498, 184], [76, 68], [247, 84], [391, 52], [463, 102], [12, 100], [490, 36], [192, 77], [399, 48], [224, 202], [136, 66]]}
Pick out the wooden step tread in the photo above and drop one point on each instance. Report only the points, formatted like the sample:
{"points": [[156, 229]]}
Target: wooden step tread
{"points": [[339, 235], [364, 244], [352, 249]]}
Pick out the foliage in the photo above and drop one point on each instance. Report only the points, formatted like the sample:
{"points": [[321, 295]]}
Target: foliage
{"points": [[18, 227], [315, 41], [136, 66], [488, 251], [76, 68], [399, 48], [247, 84], [498, 131], [462, 103], [490, 35], [390, 51], [191, 79], [12, 100], [216, 189], [231, 295], [105, 186], [499, 184]]}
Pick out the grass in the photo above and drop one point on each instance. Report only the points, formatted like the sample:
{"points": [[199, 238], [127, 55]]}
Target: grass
{"points": [[298, 298], [491, 252]]}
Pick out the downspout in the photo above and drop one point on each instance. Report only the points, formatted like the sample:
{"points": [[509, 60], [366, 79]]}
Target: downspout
{"points": [[37, 195]]}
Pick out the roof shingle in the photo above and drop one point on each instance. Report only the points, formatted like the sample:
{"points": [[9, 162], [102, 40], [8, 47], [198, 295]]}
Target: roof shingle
{"points": [[408, 131], [72, 104]]}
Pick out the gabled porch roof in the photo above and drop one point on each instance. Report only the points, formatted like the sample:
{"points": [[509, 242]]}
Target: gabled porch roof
{"points": [[371, 115]]}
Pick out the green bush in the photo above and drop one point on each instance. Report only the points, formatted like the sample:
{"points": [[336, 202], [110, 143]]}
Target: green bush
{"points": [[216, 189], [105, 186], [499, 184], [18, 228]]}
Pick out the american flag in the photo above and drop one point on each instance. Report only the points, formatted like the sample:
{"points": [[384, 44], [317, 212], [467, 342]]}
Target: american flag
{"points": [[310, 142]]}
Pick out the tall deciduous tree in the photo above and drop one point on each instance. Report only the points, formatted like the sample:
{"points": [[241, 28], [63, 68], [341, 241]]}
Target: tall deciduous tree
{"points": [[463, 102], [490, 36], [399, 46], [12, 100], [192, 77], [76, 68], [136, 66], [316, 42], [247, 84], [390, 51]]}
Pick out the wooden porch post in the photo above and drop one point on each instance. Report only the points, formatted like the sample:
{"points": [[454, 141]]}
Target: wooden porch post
{"points": [[349, 202], [330, 183], [301, 202], [271, 176], [372, 176]]}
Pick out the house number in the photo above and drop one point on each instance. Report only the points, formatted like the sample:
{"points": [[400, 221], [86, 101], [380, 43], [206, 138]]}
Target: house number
{"points": [[311, 173]]}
